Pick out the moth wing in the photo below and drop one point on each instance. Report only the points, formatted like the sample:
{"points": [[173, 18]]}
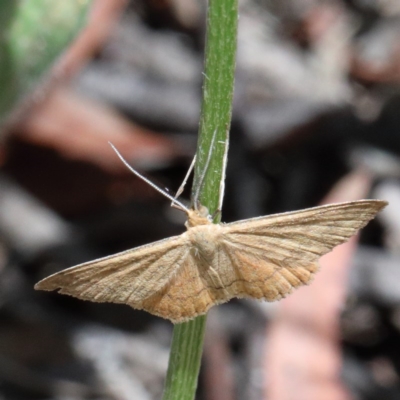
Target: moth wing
{"points": [[198, 285], [186, 295], [127, 277], [274, 254]]}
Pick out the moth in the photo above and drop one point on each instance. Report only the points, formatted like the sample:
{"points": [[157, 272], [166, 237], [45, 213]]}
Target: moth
{"points": [[183, 276]]}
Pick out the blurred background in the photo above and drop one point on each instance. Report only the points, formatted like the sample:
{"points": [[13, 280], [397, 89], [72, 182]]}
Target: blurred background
{"points": [[316, 119]]}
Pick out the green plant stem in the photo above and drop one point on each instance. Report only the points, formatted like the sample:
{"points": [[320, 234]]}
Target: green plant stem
{"points": [[215, 119], [216, 108]]}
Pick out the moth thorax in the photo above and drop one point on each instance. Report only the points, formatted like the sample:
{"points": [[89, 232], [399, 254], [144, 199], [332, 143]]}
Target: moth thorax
{"points": [[205, 240]]}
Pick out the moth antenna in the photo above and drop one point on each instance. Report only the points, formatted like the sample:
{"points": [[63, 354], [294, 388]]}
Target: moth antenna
{"points": [[203, 174], [183, 184], [175, 202], [222, 185]]}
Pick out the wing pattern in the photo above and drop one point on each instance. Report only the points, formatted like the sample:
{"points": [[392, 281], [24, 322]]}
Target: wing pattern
{"points": [[126, 277], [262, 258], [275, 254]]}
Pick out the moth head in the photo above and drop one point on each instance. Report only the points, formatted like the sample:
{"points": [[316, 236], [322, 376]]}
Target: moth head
{"points": [[198, 217]]}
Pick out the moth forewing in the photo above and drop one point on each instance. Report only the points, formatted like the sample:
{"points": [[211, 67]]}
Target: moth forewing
{"points": [[183, 276], [350, 211], [126, 277], [303, 235], [277, 253]]}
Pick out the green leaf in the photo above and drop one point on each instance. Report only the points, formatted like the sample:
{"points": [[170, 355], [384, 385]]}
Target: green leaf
{"points": [[33, 35]]}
